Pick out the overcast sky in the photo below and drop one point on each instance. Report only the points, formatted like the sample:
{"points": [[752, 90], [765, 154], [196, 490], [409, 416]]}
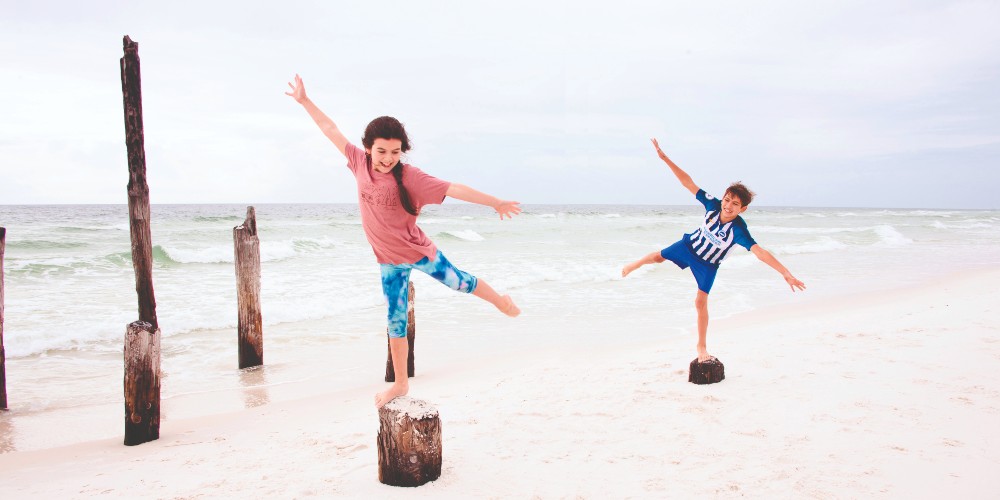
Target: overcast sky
{"points": [[846, 103]]}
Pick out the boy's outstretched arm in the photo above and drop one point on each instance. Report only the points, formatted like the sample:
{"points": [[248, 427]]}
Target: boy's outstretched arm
{"points": [[770, 260], [503, 207], [325, 123], [681, 175]]}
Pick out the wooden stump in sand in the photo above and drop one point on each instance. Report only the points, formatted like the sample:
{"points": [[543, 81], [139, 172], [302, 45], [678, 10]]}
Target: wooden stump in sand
{"points": [[707, 372], [249, 331], [409, 442], [142, 383]]}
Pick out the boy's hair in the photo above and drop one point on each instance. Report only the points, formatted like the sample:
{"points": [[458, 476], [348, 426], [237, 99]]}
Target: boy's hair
{"points": [[387, 127], [740, 191]]}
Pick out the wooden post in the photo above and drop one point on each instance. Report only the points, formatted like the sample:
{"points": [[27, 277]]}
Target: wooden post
{"points": [[138, 190], [250, 334], [142, 383], [142, 338], [409, 442], [706, 372], [411, 335], [3, 354]]}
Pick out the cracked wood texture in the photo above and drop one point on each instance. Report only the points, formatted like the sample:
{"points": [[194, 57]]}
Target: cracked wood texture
{"points": [[142, 383], [706, 372], [142, 338], [250, 334], [409, 442]]}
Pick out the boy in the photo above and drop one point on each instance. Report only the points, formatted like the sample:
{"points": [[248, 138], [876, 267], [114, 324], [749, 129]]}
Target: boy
{"points": [[705, 248]]}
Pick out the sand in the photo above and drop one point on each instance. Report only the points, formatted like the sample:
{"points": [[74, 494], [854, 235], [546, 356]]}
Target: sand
{"points": [[884, 393]]}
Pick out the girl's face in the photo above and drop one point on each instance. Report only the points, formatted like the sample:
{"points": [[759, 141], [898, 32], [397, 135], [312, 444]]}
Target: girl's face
{"points": [[385, 154]]}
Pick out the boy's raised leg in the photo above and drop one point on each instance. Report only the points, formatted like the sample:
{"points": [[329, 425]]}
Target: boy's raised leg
{"points": [[504, 303], [399, 349], [653, 258]]}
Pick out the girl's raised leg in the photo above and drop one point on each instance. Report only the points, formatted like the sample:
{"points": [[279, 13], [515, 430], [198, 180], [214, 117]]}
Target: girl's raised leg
{"points": [[504, 303]]}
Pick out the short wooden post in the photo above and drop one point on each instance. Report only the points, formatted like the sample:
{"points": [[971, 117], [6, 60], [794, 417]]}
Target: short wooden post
{"points": [[142, 383], [411, 336], [409, 442], [706, 372], [142, 338], [250, 334], [3, 354]]}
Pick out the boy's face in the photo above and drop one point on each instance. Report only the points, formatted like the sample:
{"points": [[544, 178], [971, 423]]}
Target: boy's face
{"points": [[731, 207]]}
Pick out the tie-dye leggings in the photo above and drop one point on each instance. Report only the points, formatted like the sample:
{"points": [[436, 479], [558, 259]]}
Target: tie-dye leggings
{"points": [[396, 280]]}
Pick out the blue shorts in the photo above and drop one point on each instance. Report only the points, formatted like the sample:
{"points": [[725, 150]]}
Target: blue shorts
{"points": [[396, 286], [680, 254]]}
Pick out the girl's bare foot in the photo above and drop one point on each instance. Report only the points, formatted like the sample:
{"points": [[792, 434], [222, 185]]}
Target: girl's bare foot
{"points": [[508, 307], [397, 389]]}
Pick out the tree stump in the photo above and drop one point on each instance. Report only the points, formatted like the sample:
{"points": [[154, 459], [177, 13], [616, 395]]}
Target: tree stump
{"points": [[409, 442], [706, 372]]}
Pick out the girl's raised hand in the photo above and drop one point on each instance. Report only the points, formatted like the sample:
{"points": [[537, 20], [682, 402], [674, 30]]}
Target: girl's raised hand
{"points": [[298, 90], [508, 209]]}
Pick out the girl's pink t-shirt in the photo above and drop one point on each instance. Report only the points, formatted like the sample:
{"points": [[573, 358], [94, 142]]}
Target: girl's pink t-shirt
{"points": [[391, 230]]}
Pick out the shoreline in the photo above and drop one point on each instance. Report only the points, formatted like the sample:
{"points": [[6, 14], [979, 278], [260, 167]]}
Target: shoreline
{"points": [[851, 396]]}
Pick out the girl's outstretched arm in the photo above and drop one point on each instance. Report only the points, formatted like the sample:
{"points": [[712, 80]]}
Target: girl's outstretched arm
{"points": [[681, 175], [769, 259], [325, 123], [503, 207]]}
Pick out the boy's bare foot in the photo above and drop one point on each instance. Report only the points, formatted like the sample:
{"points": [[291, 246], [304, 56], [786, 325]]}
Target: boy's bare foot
{"points": [[703, 355], [397, 389], [508, 307], [629, 268]]}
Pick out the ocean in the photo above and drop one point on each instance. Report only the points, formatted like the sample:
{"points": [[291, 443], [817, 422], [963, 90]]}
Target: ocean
{"points": [[70, 292]]}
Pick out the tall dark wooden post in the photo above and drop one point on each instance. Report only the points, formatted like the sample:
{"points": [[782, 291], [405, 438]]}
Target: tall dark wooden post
{"points": [[411, 337], [250, 335], [3, 354], [142, 342]]}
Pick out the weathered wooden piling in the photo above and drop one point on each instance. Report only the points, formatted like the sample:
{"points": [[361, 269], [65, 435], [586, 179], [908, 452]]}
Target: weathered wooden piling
{"points": [[706, 372], [138, 190], [3, 354], [409, 442], [142, 338], [411, 335], [250, 335], [142, 383]]}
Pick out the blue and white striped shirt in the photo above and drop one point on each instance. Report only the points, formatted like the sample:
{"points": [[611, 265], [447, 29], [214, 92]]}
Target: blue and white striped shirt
{"points": [[713, 240]]}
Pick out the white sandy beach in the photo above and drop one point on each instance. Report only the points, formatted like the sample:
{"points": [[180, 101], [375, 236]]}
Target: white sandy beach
{"points": [[874, 394]]}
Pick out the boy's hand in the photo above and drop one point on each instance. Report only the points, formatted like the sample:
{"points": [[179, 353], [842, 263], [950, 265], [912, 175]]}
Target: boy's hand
{"points": [[658, 150], [508, 209], [298, 90], [794, 283]]}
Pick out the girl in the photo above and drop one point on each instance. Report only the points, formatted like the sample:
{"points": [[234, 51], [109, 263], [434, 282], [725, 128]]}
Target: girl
{"points": [[390, 195]]}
